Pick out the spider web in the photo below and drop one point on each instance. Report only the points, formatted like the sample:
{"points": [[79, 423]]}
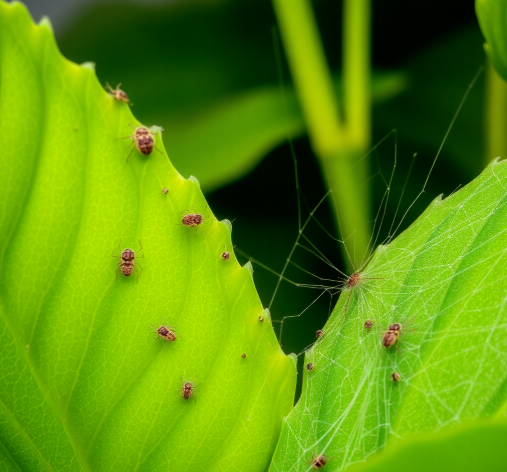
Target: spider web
{"points": [[443, 281]]}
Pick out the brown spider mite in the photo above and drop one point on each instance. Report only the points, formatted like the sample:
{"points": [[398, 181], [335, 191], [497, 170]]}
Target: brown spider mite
{"points": [[187, 389], [243, 355], [165, 332], [261, 318], [319, 334], [118, 94], [143, 139], [395, 376], [226, 255], [391, 335], [310, 366], [165, 190], [126, 263], [368, 324], [319, 462], [193, 220]]}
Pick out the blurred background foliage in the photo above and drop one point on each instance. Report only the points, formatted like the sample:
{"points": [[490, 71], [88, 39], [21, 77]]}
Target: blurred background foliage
{"points": [[207, 72]]}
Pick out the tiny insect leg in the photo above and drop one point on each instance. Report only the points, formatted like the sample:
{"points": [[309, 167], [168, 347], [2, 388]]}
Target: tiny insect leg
{"points": [[138, 268], [112, 254], [140, 249], [131, 151]]}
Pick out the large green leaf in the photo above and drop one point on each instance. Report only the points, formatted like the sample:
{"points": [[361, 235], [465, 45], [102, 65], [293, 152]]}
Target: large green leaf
{"points": [[443, 279], [474, 446], [84, 384]]}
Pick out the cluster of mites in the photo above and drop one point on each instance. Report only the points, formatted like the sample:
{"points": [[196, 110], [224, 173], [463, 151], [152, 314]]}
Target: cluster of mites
{"points": [[144, 142], [389, 338], [126, 265], [142, 137]]}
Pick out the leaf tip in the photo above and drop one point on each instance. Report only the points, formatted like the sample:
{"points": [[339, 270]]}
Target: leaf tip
{"points": [[438, 200], [196, 181], [227, 224], [45, 22], [248, 266], [156, 129], [494, 162], [89, 65]]}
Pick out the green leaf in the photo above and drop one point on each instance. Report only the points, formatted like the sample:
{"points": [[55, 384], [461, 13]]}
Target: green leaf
{"points": [[218, 95], [84, 384], [443, 279], [470, 447], [492, 15]]}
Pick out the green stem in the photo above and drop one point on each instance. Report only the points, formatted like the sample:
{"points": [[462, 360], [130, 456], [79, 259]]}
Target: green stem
{"points": [[310, 73], [339, 146], [342, 174], [496, 115], [357, 72]]}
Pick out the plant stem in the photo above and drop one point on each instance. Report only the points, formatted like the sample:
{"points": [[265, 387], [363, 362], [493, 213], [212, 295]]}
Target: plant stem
{"points": [[357, 72], [310, 73], [496, 115], [357, 107], [339, 146]]}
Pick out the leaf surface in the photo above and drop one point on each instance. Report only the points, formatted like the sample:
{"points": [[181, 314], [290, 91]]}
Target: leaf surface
{"points": [[84, 383], [443, 279]]}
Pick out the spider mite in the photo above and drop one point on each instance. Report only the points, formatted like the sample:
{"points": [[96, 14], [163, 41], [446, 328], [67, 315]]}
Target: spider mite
{"points": [[391, 335], [319, 334], [395, 376], [318, 462], [310, 366], [143, 139], [187, 389], [193, 220], [226, 255], [261, 318], [165, 190], [118, 94], [165, 332], [368, 324], [126, 263], [243, 355]]}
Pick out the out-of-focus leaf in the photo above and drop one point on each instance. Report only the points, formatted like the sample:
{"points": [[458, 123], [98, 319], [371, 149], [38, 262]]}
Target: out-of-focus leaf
{"points": [[84, 384], [207, 76], [226, 141], [471, 447], [492, 15]]}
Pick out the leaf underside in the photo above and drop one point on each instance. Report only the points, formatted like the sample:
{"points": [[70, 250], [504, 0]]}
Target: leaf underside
{"points": [[84, 384], [444, 280]]}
